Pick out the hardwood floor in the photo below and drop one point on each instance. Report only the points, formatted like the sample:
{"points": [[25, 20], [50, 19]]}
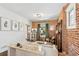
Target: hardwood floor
{"points": [[62, 54], [4, 53]]}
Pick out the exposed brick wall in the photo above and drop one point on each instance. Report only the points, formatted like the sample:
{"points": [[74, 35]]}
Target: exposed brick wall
{"points": [[64, 34], [73, 36], [64, 30], [70, 37], [72, 40]]}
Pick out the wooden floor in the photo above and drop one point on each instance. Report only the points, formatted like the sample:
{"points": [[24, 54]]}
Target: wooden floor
{"points": [[4, 53], [59, 54], [62, 54]]}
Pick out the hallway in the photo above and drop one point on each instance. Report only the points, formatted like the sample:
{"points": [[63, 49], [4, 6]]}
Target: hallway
{"points": [[66, 28]]}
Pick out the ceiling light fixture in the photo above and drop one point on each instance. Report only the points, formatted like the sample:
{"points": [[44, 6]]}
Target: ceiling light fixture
{"points": [[38, 15]]}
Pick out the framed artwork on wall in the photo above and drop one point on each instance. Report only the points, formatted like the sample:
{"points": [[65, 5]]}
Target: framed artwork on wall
{"points": [[15, 26], [21, 27], [5, 24], [71, 16]]}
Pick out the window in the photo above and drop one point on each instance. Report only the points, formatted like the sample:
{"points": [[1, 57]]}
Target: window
{"points": [[71, 16]]}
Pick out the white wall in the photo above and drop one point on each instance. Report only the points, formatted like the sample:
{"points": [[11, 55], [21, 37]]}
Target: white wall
{"points": [[7, 37]]}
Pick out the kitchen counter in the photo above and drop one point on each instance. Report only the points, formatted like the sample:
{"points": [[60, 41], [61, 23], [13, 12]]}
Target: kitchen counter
{"points": [[31, 49]]}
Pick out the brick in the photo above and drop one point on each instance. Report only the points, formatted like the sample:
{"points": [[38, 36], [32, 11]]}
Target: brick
{"points": [[70, 36]]}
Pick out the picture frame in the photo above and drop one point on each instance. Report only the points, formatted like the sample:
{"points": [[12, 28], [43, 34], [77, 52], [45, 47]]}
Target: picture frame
{"points": [[5, 24], [21, 28], [15, 26]]}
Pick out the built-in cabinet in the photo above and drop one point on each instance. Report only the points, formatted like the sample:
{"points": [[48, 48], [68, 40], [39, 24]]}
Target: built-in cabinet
{"points": [[28, 31], [33, 34]]}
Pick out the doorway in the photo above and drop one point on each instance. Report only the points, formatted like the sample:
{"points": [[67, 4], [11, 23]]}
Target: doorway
{"points": [[59, 36]]}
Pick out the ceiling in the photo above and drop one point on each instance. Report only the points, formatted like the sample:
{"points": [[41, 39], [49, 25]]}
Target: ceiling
{"points": [[35, 11]]}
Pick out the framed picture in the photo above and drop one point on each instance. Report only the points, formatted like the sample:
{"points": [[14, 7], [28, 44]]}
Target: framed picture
{"points": [[71, 16], [15, 25], [21, 28], [5, 24]]}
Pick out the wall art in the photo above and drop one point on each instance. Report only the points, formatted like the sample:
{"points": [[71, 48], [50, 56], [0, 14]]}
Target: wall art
{"points": [[5, 24], [15, 25], [21, 27]]}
